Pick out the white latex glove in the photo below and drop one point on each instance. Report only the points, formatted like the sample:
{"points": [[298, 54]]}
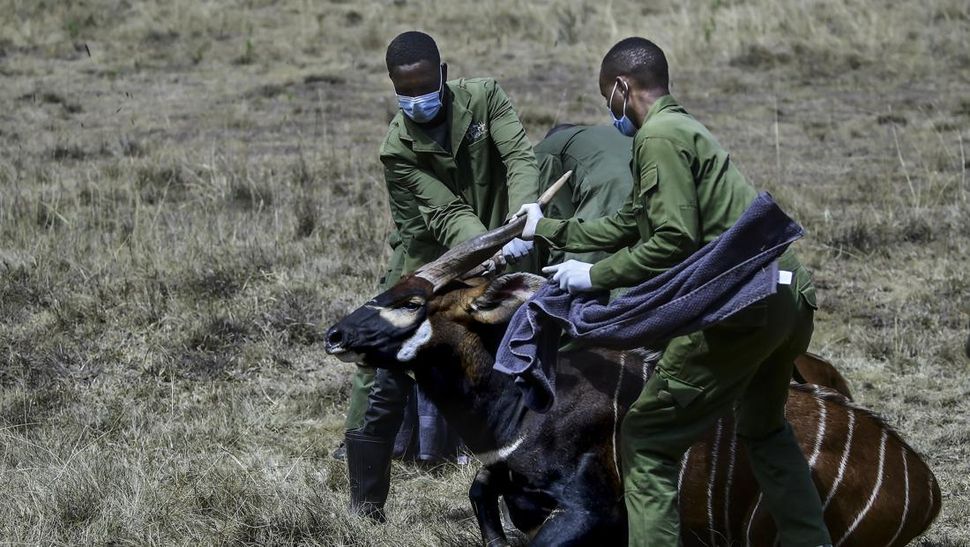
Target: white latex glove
{"points": [[572, 276], [534, 214], [516, 249]]}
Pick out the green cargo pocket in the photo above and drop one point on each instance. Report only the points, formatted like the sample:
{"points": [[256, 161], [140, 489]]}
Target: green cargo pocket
{"points": [[806, 288], [648, 181], [808, 293], [680, 393]]}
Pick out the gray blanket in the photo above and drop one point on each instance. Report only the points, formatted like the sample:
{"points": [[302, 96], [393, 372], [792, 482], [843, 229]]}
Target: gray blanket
{"points": [[731, 272]]}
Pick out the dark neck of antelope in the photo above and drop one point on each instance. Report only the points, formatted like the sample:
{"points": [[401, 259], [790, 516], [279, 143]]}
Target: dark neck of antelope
{"points": [[483, 405]]}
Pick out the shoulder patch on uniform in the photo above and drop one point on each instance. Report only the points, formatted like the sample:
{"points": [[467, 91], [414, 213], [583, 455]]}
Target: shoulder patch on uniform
{"points": [[476, 131]]}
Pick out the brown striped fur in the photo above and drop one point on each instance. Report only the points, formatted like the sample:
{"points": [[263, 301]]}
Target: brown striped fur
{"points": [[905, 504], [898, 512]]}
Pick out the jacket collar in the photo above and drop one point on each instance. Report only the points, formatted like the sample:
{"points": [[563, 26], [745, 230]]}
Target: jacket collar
{"points": [[667, 102], [459, 119]]}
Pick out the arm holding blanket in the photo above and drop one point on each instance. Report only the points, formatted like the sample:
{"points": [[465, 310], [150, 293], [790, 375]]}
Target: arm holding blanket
{"points": [[668, 196]]}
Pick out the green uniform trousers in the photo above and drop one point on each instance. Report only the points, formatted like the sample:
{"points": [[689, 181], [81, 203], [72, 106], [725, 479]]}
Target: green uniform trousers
{"points": [[363, 379], [361, 383], [744, 363]]}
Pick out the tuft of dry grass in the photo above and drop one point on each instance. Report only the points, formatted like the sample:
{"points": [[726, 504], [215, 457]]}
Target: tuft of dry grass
{"points": [[191, 192]]}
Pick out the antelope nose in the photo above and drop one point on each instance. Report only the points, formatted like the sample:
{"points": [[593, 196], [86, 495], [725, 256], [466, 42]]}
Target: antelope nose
{"points": [[335, 340]]}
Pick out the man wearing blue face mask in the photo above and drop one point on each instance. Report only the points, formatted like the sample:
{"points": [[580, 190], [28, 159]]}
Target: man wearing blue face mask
{"points": [[687, 191], [456, 162]]}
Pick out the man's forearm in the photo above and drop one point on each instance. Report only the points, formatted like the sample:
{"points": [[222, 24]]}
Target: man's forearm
{"points": [[579, 236]]}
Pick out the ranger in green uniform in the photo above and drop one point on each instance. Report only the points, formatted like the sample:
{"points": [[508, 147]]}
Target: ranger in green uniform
{"points": [[599, 158], [687, 192], [456, 162]]}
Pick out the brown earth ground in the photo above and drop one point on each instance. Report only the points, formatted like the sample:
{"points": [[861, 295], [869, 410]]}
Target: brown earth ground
{"points": [[190, 190]]}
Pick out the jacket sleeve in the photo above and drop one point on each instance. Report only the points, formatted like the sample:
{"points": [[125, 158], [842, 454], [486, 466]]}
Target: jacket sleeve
{"points": [[447, 217], [513, 146], [602, 234], [668, 193], [411, 231]]}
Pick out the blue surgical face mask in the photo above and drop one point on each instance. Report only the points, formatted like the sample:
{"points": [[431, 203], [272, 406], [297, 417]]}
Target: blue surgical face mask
{"points": [[423, 108], [625, 124]]}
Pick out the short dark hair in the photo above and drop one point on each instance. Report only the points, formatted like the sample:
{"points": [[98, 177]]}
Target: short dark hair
{"points": [[557, 128], [411, 47], [639, 59]]}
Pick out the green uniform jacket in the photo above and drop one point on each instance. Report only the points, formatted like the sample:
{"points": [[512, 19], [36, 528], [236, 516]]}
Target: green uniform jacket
{"points": [[440, 198], [686, 193], [599, 157]]}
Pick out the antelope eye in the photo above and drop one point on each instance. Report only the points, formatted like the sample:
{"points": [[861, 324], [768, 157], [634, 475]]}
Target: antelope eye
{"points": [[484, 306], [412, 305]]}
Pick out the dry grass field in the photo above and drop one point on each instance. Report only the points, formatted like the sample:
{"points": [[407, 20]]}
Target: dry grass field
{"points": [[190, 189]]}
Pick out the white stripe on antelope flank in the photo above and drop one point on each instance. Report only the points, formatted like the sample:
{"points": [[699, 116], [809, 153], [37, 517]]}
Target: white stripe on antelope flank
{"points": [[732, 452], [902, 519], [710, 483], [502, 453], [747, 533], [616, 414], [929, 506], [820, 432], [845, 459], [875, 491], [683, 467]]}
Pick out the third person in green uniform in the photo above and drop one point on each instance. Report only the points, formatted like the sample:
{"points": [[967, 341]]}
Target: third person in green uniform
{"points": [[599, 157]]}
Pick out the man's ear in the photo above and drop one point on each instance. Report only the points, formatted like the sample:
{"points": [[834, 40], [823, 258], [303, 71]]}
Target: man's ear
{"points": [[503, 296]]}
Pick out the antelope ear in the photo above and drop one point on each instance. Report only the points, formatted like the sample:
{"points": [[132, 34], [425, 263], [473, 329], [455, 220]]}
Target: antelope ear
{"points": [[503, 296]]}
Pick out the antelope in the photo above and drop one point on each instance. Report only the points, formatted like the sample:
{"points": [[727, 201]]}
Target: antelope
{"points": [[559, 472]]}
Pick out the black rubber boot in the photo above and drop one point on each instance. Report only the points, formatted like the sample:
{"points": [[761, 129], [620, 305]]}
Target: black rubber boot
{"points": [[369, 468]]}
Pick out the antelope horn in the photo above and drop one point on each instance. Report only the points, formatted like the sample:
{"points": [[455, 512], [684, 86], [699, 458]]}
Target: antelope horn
{"points": [[469, 254]]}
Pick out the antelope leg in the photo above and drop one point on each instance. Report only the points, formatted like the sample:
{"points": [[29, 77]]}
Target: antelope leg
{"points": [[484, 494]]}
